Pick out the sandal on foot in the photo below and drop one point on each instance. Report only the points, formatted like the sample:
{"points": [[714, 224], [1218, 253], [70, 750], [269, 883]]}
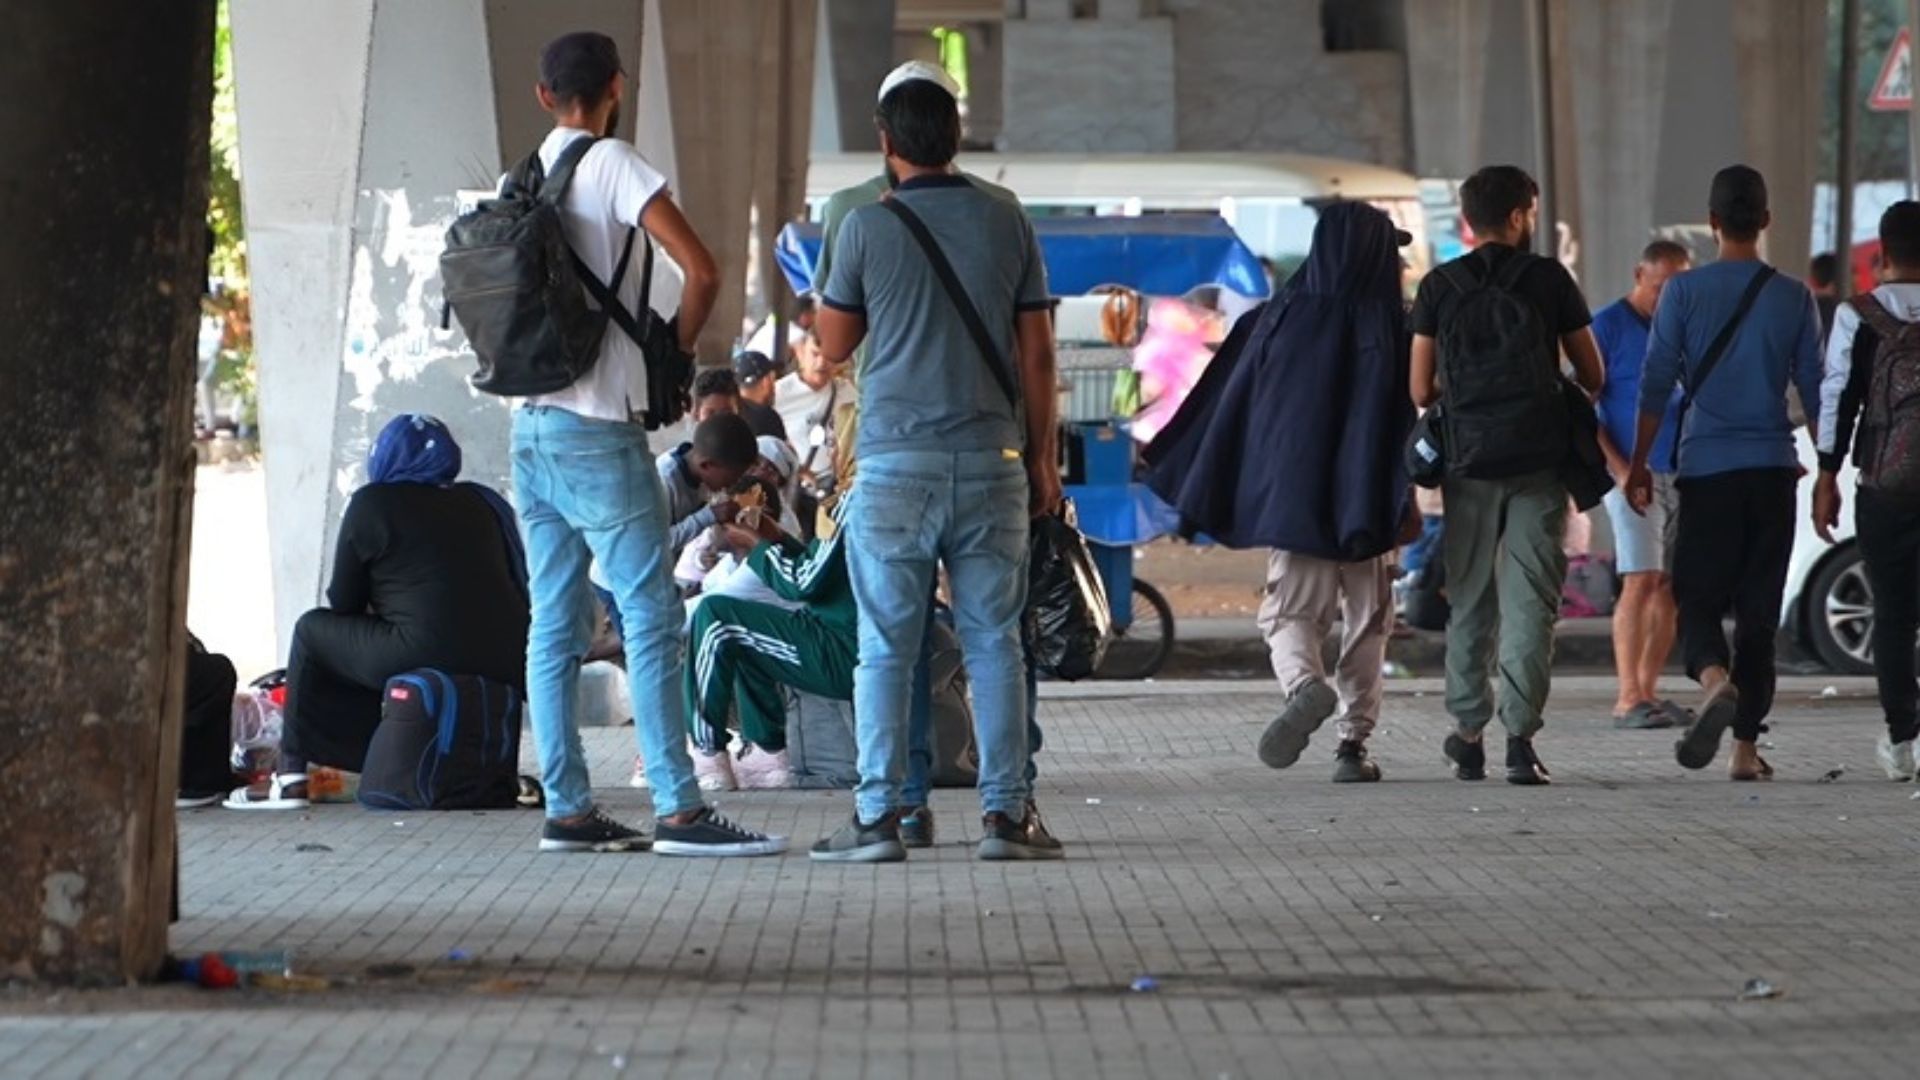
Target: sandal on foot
{"points": [[1760, 771], [285, 791]]}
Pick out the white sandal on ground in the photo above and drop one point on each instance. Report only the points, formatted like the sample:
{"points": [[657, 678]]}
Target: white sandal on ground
{"points": [[245, 799]]}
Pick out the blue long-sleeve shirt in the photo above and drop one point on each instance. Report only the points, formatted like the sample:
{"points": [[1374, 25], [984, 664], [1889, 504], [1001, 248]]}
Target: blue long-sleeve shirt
{"points": [[1739, 418]]}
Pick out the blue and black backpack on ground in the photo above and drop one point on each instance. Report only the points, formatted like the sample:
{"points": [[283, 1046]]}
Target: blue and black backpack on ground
{"points": [[445, 742]]}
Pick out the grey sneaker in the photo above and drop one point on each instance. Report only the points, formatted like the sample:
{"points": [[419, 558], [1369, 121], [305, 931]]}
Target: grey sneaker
{"points": [[860, 842], [1007, 840], [916, 827], [1351, 766], [1306, 710], [713, 836], [1646, 716]]}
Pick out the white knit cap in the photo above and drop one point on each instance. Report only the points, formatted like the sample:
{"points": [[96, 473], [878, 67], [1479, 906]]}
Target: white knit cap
{"points": [[919, 69]]}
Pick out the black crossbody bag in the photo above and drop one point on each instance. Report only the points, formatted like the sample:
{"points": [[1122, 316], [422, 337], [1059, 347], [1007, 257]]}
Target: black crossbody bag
{"points": [[1711, 359], [970, 315]]}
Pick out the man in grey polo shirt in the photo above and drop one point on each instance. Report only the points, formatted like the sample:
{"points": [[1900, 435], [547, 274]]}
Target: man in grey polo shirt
{"points": [[949, 468]]}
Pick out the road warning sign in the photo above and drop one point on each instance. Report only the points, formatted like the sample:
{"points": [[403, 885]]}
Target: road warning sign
{"points": [[1893, 90]]}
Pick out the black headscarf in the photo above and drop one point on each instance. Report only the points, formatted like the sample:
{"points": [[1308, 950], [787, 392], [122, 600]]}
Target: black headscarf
{"points": [[1293, 438]]}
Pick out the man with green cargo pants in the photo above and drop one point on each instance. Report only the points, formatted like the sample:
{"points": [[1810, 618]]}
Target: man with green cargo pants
{"points": [[1488, 330]]}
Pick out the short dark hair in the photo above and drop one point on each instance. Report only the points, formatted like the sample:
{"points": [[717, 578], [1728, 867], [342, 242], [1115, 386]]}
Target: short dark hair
{"points": [[1824, 269], [727, 441], [1489, 197], [1660, 251], [715, 382], [1738, 200], [922, 122], [1900, 233], [579, 67]]}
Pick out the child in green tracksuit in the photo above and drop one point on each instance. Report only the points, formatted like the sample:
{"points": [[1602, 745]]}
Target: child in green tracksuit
{"points": [[742, 651]]}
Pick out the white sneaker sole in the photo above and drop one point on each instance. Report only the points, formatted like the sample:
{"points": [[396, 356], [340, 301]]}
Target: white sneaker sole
{"points": [[601, 847], [772, 845]]}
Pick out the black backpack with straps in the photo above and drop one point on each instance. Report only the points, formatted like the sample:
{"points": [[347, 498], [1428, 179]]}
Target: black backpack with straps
{"points": [[1504, 411], [520, 293]]}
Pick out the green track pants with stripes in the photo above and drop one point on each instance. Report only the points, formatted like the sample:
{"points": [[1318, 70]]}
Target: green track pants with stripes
{"points": [[740, 652]]}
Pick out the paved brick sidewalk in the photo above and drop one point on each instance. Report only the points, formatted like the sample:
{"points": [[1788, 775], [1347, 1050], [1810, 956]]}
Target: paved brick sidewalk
{"points": [[1602, 926]]}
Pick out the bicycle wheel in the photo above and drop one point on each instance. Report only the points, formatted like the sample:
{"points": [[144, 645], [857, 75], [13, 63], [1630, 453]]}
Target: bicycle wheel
{"points": [[1139, 651]]}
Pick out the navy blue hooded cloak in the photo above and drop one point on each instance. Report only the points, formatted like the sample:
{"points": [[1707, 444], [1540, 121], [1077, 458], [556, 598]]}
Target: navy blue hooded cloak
{"points": [[1294, 437]]}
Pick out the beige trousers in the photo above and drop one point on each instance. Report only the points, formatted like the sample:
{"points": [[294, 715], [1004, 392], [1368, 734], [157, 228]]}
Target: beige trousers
{"points": [[1303, 596]]}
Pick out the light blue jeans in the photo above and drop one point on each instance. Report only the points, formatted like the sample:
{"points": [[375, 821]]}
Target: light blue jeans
{"points": [[911, 512], [587, 490]]}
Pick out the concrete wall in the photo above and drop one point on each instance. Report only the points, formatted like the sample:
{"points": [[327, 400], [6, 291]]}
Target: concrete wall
{"points": [[1254, 75], [1221, 75], [1095, 85]]}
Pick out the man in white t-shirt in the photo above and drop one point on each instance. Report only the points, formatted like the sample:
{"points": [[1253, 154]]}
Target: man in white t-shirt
{"points": [[807, 400], [587, 491]]}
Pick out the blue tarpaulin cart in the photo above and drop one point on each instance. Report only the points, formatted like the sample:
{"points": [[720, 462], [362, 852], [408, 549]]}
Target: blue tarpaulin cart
{"points": [[1161, 255]]}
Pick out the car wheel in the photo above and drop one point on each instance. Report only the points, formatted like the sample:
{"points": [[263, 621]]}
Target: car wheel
{"points": [[1840, 614]]}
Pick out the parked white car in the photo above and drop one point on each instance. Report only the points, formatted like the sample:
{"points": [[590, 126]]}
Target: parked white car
{"points": [[1828, 603]]}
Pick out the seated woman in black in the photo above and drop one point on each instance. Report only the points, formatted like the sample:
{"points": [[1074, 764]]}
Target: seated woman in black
{"points": [[428, 574]]}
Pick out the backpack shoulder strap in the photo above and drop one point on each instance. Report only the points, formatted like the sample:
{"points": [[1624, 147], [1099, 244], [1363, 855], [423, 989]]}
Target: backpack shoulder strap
{"points": [[1711, 358], [553, 187], [1457, 275], [970, 315], [1876, 316], [1509, 275]]}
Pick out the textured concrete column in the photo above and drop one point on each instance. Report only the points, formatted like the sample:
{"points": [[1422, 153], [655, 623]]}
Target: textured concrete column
{"points": [[360, 122], [855, 52], [100, 277]]}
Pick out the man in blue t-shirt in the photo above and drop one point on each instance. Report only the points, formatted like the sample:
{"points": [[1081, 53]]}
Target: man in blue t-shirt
{"points": [[1737, 463], [1643, 620]]}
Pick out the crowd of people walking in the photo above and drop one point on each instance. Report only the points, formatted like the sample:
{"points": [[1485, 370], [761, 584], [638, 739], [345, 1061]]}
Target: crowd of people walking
{"points": [[1497, 387]]}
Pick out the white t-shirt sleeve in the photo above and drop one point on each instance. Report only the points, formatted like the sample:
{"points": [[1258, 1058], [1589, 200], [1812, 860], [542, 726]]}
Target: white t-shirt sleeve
{"points": [[629, 181]]}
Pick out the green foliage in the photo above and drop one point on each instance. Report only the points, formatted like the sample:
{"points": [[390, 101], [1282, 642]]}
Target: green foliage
{"points": [[236, 375]]}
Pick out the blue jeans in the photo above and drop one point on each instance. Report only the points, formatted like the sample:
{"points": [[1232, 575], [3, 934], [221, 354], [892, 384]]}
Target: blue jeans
{"points": [[912, 511], [919, 783], [587, 490]]}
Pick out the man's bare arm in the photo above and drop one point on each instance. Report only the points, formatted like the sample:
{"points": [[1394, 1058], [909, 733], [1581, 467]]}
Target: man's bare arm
{"points": [[666, 224], [1424, 386], [1588, 369], [1039, 383]]}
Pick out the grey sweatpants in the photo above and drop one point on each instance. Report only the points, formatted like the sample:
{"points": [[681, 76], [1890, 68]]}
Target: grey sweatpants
{"points": [[1302, 596]]}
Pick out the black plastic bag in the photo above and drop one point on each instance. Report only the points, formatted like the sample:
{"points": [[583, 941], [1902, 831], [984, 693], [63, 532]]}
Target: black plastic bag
{"points": [[1068, 619]]}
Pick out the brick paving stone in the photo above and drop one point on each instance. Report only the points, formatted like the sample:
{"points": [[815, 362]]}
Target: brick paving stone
{"points": [[1419, 927]]}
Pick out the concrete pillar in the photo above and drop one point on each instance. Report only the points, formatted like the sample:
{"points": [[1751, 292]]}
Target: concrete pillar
{"points": [[359, 122], [1642, 120], [100, 278], [854, 52]]}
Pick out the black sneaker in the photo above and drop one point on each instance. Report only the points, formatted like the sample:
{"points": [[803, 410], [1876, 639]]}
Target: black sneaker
{"points": [[1004, 839], [1350, 764], [1696, 748], [713, 836], [1469, 758], [860, 842], [916, 827], [595, 832], [1523, 765]]}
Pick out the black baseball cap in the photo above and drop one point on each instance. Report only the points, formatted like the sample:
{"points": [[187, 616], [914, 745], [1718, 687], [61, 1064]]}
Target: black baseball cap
{"points": [[751, 367], [579, 65], [1739, 194]]}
